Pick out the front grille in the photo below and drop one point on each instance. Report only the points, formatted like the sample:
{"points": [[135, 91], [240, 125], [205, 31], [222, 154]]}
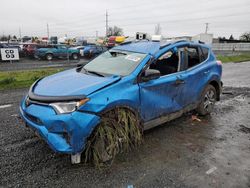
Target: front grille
{"points": [[33, 119]]}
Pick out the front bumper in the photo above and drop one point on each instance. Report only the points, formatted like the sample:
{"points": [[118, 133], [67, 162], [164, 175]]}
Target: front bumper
{"points": [[64, 133]]}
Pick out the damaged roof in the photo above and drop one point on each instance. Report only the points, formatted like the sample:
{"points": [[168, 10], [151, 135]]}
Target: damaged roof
{"points": [[146, 47]]}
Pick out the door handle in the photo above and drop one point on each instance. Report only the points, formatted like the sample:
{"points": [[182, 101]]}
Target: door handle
{"points": [[179, 81], [206, 72]]}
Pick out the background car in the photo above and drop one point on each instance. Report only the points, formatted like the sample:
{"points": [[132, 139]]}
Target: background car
{"points": [[91, 51], [30, 49], [57, 51]]}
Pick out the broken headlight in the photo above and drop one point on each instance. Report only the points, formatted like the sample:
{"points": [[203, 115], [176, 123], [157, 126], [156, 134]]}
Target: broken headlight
{"points": [[68, 107]]}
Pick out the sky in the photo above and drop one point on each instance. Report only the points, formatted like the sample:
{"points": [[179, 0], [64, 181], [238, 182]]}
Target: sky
{"points": [[87, 17]]}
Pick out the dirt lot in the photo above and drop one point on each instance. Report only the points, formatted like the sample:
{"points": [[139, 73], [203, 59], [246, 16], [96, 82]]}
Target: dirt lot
{"points": [[213, 152]]}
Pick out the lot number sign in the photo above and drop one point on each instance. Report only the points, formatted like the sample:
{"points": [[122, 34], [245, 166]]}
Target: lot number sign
{"points": [[9, 54]]}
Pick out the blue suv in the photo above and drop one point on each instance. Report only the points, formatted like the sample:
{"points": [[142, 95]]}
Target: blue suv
{"points": [[135, 86]]}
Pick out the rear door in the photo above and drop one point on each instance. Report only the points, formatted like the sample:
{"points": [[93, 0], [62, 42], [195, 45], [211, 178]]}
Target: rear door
{"points": [[197, 70]]}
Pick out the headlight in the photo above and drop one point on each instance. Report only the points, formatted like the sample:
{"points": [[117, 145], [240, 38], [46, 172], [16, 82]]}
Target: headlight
{"points": [[67, 107]]}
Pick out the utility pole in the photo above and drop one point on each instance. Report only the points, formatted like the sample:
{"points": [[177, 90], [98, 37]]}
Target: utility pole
{"points": [[48, 31], [107, 23], [20, 33], [206, 27]]}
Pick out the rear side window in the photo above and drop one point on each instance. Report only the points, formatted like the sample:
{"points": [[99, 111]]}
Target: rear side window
{"points": [[193, 56], [204, 53]]}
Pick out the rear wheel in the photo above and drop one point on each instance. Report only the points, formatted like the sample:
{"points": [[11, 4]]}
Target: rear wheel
{"points": [[49, 57], [208, 99], [118, 131]]}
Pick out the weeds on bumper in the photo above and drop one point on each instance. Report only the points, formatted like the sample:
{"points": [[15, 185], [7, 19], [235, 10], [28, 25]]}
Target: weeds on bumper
{"points": [[119, 131]]}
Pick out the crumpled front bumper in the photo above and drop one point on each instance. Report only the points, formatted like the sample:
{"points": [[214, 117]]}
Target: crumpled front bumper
{"points": [[65, 133]]}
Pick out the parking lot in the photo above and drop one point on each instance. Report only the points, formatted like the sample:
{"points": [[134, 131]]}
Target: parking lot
{"points": [[30, 64], [210, 151]]}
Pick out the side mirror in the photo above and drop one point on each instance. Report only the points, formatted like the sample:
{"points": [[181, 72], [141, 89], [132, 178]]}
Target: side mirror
{"points": [[151, 74], [79, 67]]}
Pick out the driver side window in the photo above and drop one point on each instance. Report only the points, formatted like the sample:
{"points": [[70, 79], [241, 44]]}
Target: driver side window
{"points": [[167, 63]]}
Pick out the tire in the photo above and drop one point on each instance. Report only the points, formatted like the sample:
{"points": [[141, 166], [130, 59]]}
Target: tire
{"points": [[118, 131], [49, 57], [208, 98], [75, 56]]}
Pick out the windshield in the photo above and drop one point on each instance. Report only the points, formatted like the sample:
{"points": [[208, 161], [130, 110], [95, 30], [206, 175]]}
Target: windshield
{"points": [[115, 62]]}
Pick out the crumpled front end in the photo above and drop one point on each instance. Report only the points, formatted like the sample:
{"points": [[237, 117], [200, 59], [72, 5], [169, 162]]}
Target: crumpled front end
{"points": [[65, 133]]}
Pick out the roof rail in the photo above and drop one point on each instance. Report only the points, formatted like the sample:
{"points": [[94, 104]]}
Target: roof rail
{"points": [[133, 41], [126, 42], [171, 42]]}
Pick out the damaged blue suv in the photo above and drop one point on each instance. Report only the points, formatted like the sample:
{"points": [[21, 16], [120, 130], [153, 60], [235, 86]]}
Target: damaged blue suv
{"points": [[137, 85]]}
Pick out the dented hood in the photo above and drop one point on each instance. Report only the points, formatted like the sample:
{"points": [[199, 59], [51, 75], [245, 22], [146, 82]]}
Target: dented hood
{"points": [[71, 83]]}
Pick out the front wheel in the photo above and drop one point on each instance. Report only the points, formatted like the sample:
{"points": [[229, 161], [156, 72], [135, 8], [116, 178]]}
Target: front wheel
{"points": [[49, 57], [208, 99]]}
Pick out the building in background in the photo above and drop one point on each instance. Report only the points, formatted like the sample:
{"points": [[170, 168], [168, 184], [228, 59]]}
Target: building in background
{"points": [[203, 37]]}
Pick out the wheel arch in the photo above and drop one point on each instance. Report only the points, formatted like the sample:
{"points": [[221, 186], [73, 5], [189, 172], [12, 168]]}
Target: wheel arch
{"points": [[217, 86], [117, 106], [47, 53]]}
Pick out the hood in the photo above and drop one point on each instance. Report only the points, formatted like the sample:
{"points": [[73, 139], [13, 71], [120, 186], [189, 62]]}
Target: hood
{"points": [[71, 83]]}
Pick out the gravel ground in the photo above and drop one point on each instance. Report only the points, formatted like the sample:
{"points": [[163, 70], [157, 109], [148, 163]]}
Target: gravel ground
{"points": [[213, 152]]}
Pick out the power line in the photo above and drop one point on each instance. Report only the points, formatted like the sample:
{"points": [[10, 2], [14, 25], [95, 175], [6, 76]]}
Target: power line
{"points": [[114, 19]]}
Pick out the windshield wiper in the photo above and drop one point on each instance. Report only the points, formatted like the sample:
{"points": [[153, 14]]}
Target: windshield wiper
{"points": [[96, 73], [93, 72]]}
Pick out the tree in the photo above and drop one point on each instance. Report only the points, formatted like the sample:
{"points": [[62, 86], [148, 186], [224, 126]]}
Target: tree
{"points": [[245, 36], [231, 37], [3, 38], [115, 31], [222, 38], [158, 29]]}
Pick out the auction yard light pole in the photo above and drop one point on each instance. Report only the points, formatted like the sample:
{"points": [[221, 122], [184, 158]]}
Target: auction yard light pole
{"points": [[48, 30], [206, 27], [20, 33], [107, 23]]}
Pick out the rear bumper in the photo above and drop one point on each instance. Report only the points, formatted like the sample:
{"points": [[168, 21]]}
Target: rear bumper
{"points": [[64, 133]]}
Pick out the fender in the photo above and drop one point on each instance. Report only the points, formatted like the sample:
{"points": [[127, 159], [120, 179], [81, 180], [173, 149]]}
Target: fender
{"points": [[217, 85]]}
